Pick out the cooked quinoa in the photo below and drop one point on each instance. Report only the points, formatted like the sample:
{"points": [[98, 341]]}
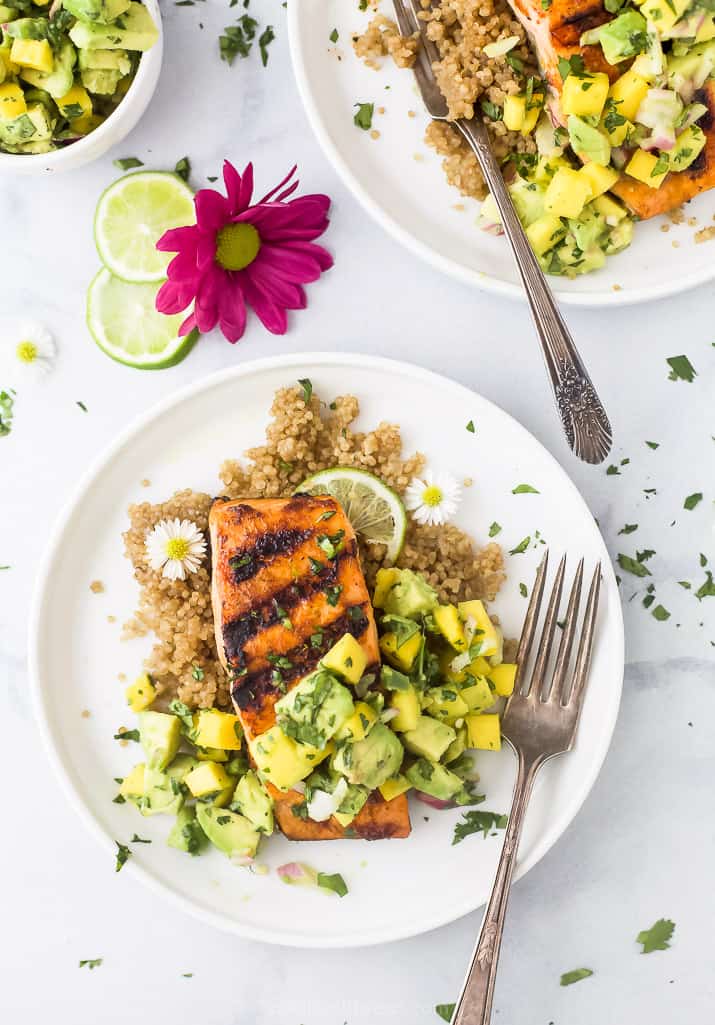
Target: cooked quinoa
{"points": [[301, 439], [466, 76]]}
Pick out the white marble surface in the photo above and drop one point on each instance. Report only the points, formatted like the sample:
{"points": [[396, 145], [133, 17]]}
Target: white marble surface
{"points": [[643, 845]]}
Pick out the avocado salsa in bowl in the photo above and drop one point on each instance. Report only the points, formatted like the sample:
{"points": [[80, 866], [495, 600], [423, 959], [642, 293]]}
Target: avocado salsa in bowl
{"points": [[74, 77]]}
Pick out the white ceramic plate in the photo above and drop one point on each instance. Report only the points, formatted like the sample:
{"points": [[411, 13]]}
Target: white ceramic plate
{"points": [[397, 888], [399, 181]]}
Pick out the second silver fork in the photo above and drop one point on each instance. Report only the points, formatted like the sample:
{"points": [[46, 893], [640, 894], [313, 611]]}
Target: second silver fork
{"points": [[585, 422]]}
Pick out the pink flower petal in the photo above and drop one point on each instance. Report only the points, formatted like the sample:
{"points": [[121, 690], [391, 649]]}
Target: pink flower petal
{"points": [[232, 181], [232, 312], [271, 316], [206, 251], [174, 240], [212, 209], [183, 266], [173, 298], [188, 325], [281, 291], [269, 195], [309, 249], [207, 299], [246, 187], [296, 267]]}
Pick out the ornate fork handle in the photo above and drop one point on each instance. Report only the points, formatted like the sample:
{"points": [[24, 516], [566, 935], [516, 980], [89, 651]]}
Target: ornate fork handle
{"points": [[583, 417], [475, 1002]]}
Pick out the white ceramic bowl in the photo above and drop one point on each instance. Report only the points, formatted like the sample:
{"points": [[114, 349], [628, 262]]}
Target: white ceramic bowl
{"points": [[118, 125]]}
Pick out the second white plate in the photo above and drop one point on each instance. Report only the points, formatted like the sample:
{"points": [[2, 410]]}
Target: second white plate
{"points": [[399, 181], [398, 887]]}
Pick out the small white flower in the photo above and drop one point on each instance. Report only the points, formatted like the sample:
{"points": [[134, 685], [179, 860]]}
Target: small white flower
{"points": [[27, 349], [434, 499], [175, 546]]}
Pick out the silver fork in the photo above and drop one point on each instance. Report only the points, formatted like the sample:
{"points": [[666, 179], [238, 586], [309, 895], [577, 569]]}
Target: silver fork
{"points": [[539, 722], [584, 419]]}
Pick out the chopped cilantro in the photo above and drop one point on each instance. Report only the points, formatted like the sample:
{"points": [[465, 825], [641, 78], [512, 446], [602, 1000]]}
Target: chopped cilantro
{"points": [[264, 41], [653, 444], [495, 529], [307, 387], [127, 735], [707, 589], [521, 547], [634, 566], [470, 427], [138, 839], [491, 110], [445, 1011], [334, 36], [7, 400], [573, 66], [123, 856], [681, 369], [82, 406], [478, 822], [660, 614], [363, 118], [568, 978], [334, 882], [183, 168], [629, 528], [126, 163], [657, 937], [524, 489], [92, 963], [197, 673], [692, 500], [523, 590], [333, 594], [612, 470]]}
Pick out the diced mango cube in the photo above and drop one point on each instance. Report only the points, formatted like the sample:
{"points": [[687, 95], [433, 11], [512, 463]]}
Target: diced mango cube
{"points": [[217, 729], [208, 778], [12, 101], [141, 693], [628, 92], [584, 96], [446, 704], [567, 193], [407, 703], [610, 210], [449, 624], [401, 656], [479, 696], [503, 678], [484, 732], [394, 786], [688, 147], [645, 167], [617, 134], [664, 13], [282, 761], [601, 179], [86, 124], [486, 633], [75, 103], [346, 659], [518, 117], [133, 784], [384, 582], [357, 726], [545, 232], [211, 754], [33, 53]]}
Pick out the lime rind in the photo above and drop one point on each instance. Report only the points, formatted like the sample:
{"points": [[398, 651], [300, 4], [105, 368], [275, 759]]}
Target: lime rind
{"points": [[123, 321], [375, 511], [131, 216]]}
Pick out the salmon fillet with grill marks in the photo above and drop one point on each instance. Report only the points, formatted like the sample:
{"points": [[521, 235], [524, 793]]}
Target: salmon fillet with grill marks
{"points": [[276, 594], [554, 35]]}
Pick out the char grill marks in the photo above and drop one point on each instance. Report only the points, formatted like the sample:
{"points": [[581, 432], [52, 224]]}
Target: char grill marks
{"points": [[287, 585]]}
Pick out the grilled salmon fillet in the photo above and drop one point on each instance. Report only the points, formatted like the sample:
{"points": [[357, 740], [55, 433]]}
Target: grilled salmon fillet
{"points": [[277, 595], [555, 34]]}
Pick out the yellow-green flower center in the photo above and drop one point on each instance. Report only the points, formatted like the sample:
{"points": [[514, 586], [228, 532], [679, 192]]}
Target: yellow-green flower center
{"points": [[432, 496], [177, 548], [237, 246], [26, 352]]}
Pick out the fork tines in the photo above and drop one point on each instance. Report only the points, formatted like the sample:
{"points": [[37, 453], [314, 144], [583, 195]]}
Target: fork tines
{"points": [[558, 684]]}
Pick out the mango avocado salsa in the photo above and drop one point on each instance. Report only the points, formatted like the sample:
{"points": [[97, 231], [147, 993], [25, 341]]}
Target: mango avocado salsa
{"points": [[65, 69], [341, 734]]}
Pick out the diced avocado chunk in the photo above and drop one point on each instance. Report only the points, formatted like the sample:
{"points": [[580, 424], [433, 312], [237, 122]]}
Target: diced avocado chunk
{"points": [[478, 695], [623, 37], [401, 592], [105, 60], [163, 795], [160, 736], [457, 748], [528, 198], [229, 832], [102, 11], [101, 83], [370, 762], [346, 659], [430, 738], [620, 236], [588, 229], [688, 147], [588, 142], [314, 711], [446, 703], [432, 778], [33, 126], [186, 833], [58, 81], [137, 32], [359, 724], [251, 799], [353, 801]]}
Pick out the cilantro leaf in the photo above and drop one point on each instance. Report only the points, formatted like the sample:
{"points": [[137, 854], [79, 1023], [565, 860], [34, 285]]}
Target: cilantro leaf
{"points": [[363, 118], [521, 547], [706, 590], [92, 963], [628, 528], [334, 882], [524, 489], [127, 735], [445, 1011], [334, 36], [478, 822], [183, 168], [491, 110], [494, 529], [307, 386], [568, 978], [123, 856], [127, 163], [692, 500], [657, 937], [633, 566], [660, 614], [681, 369], [470, 427]]}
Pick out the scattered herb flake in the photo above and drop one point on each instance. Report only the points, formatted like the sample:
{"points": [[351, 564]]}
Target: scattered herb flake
{"points": [[692, 500], [334, 36], [470, 427], [681, 369], [612, 471], [657, 937], [478, 822], [568, 978], [82, 406], [660, 613], [183, 168], [334, 882], [92, 963], [197, 673], [264, 41], [123, 856], [307, 386], [363, 117], [629, 528], [7, 401], [653, 444], [491, 110], [633, 566], [521, 547], [126, 163], [138, 839], [127, 735], [706, 590], [523, 591], [445, 1011], [524, 489], [494, 529]]}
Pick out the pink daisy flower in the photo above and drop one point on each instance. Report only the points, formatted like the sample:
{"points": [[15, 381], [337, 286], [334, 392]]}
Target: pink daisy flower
{"points": [[239, 255]]}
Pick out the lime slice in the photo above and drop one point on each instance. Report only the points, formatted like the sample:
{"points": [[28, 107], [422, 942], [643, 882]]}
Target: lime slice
{"points": [[375, 511], [132, 215], [125, 324]]}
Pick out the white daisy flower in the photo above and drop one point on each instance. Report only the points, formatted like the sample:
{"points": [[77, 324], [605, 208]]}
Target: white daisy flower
{"points": [[434, 499], [175, 546], [27, 349]]}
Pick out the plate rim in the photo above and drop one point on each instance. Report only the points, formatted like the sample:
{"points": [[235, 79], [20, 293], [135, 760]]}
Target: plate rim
{"points": [[51, 742], [453, 268]]}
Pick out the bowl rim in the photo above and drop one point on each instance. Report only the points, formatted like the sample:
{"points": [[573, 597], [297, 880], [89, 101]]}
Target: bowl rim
{"points": [[148, 62]]}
